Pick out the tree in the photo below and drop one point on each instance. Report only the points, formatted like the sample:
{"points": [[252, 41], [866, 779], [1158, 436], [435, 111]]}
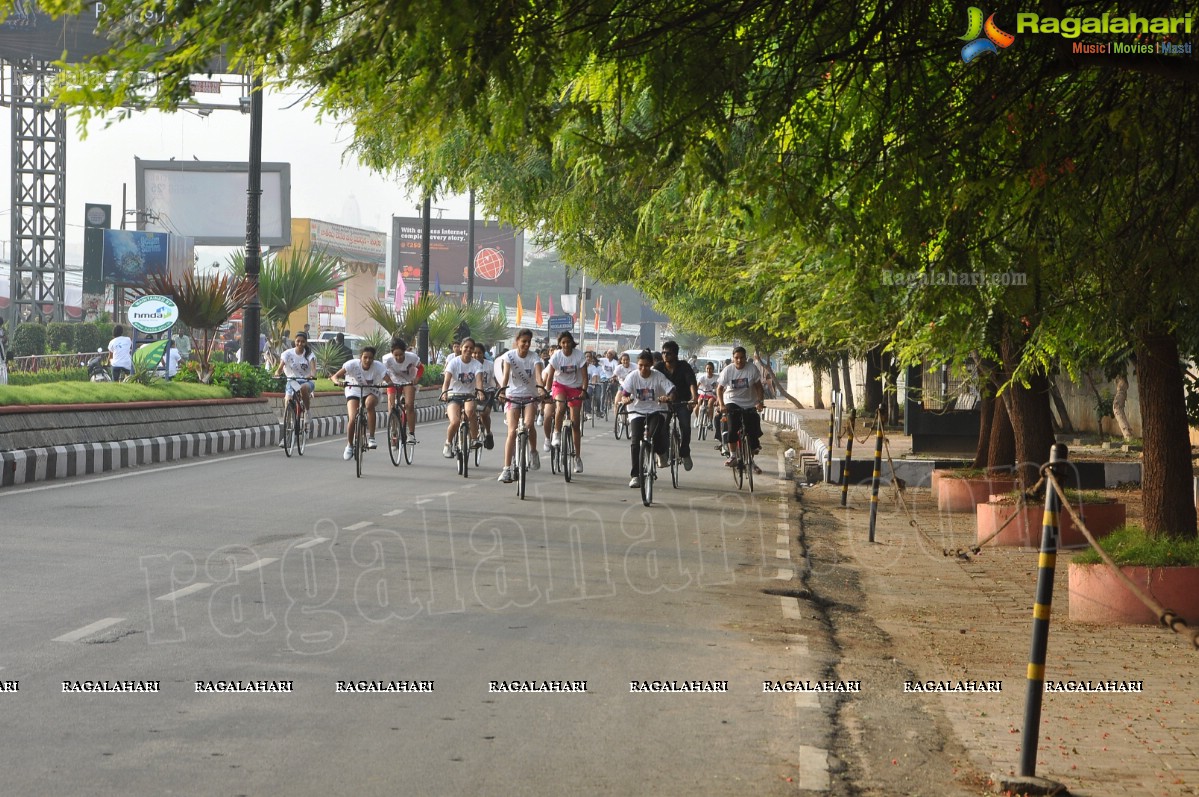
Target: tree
{"points": [[205, 303], [287, 284]]}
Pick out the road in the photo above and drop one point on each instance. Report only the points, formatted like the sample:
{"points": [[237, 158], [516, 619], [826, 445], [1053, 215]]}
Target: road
{"points": [[292, 574]]}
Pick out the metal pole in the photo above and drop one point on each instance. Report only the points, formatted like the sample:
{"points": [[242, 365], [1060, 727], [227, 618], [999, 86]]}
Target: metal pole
{"points": [[1046, 562], [422, 335], [251, 312], [832, 419], [853, 416], [878, 468], [470, 251]]}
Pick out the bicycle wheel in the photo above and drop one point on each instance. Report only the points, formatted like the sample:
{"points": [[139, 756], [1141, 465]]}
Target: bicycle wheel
{"points": [[522, 462], [406, 443], [393, 437], [568, 451], [301, 430], [739, 464], [479, 451], [749, 463], [464, 448], [647, 472], [618, 425], [359, 441], [676, 441], [289, 428], [703, 416]]}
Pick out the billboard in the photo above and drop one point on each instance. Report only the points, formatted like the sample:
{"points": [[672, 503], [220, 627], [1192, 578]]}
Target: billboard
{"points": [[497, 259], [206, 200], [132, 255], [29, 33]]}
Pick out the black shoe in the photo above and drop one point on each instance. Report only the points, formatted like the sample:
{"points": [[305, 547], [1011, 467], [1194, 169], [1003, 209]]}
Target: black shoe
{"points": [[488, 441]]}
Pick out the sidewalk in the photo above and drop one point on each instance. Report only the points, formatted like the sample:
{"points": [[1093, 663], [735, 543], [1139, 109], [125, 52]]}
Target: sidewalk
{"points": [[950, 619]]}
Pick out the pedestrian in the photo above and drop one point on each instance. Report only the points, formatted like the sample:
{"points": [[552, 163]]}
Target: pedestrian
{"points": [[173, 358], [342, 350], [184, 342], [286, 341], [120, 351]]}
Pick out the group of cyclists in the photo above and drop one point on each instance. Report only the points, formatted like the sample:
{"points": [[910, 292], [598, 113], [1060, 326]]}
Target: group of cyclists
{"points": [[528, 382]]}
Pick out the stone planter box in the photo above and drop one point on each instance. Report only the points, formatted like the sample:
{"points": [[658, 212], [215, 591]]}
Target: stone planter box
{"points": [[958, 494], [1025, 531], [1096, 595]]}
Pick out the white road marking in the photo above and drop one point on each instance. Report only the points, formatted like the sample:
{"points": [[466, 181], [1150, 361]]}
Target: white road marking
{"points": [[179, 593], [785, 574], [806, 700], [88, 630], [782, 539], [393, 513], [782, 553], [255, 565], [813, 768], [785, 526], [790, 608], [311, 543], [358, 526], [799, 644]]}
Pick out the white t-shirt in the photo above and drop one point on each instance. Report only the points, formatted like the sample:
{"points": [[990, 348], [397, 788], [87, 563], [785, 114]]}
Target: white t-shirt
{"points": [[122, 352], [297, 366], [608, 367], [402, 372], [594, 372], [522, 374], [568, 371], [462, 376], [173, 358], [621, 371], [645, 392], [739, 384], [357, 375], [707, 384]]}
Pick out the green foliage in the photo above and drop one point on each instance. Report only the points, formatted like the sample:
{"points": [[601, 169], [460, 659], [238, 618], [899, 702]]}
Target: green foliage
{"points": [[92, 336], [288, 283], [205, 303], [60, 337], [433, 375], [242, 379], [1132, 546], [329, 357], [28, 339], [380, 339], [104, 393], [24, 378]]}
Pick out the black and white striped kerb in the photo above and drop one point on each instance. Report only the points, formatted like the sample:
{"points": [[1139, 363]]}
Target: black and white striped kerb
{"points": [[60, 462]]}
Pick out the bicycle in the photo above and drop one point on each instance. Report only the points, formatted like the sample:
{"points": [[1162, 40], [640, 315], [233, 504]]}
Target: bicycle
{"points": [[360, 426], [488, 400], [295, 417], [676, 442], [738, 446], [648, 463], [565, 452], [604, 402], [521, 465], [462, 445], [398, 440], [621, 423], [703, 418]]}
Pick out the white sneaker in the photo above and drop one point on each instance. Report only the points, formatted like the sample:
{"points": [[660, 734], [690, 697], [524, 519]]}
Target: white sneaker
{"points": [[447, 452], [348, 454], [578, 464], [506, 476], [546, 446], [370, 442], [557, 440], [534, 460], [634, 482]]}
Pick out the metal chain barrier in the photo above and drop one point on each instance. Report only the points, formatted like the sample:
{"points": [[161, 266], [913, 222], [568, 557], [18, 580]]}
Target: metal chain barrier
{"points": [[1166, 617]]}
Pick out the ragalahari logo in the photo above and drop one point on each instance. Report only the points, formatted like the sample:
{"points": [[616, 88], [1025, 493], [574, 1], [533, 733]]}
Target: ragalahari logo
{"points": [[983, 37]]}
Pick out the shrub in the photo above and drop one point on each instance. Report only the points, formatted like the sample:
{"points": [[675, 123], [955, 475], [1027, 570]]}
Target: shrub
{"points": [[93, 336], [60, 337], [28, 338], [242, 379], [25, 378], [432, 375]]}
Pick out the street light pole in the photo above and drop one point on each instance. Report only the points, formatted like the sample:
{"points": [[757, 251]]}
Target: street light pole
{"points": [[470, 251], [422, 336], [251, 312]]}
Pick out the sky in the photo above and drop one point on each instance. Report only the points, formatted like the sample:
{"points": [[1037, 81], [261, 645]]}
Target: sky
{"points": [[327, 184]]}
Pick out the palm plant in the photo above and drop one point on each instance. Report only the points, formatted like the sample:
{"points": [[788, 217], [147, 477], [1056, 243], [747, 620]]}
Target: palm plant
{"points": [[486, 324], [443, 325], [205, 303], [380, 339], [408, 320], [290, 283]]}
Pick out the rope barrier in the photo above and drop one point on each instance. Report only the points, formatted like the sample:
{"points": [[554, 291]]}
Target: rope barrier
{"points": [[1165, 617]]}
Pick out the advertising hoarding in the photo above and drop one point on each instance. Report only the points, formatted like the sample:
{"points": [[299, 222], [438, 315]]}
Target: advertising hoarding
{"points": [[497, 259]]}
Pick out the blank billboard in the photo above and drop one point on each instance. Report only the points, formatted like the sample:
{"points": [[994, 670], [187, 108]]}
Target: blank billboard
{"points": [[206, 200]]}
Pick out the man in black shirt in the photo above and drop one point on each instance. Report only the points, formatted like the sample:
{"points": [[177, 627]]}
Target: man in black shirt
{"points": [[686, 389]]}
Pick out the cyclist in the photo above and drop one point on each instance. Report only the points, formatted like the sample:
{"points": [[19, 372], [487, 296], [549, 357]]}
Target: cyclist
{"points": [[405, 369], [366, 372], [740, 385], [521, 375], [644, 391], [706, 386], [487, 381], [298, 363], [686, 391], [459, 389], [594, 378], [565, 375], [623, 368]]}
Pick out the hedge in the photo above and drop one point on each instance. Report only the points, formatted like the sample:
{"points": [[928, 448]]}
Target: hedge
{"points": [[60, 338], [28, 339]]}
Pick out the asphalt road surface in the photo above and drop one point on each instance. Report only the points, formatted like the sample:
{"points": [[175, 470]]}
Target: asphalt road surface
{"points": [[509, 632]]}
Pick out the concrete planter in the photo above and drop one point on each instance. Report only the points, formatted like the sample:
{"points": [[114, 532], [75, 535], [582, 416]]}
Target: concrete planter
{"points": [[1096, 595], [1025, 530], [963, 494]]}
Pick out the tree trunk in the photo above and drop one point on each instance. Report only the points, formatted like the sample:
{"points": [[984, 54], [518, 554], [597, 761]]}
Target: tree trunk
{"points": [[1166, 481], [891, 366], [1119, 404], [847, 382], [1001, 447], [986, 413], [817, 387], [1063, 415], [873, 396], [834, 373], [1030, 413]]}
